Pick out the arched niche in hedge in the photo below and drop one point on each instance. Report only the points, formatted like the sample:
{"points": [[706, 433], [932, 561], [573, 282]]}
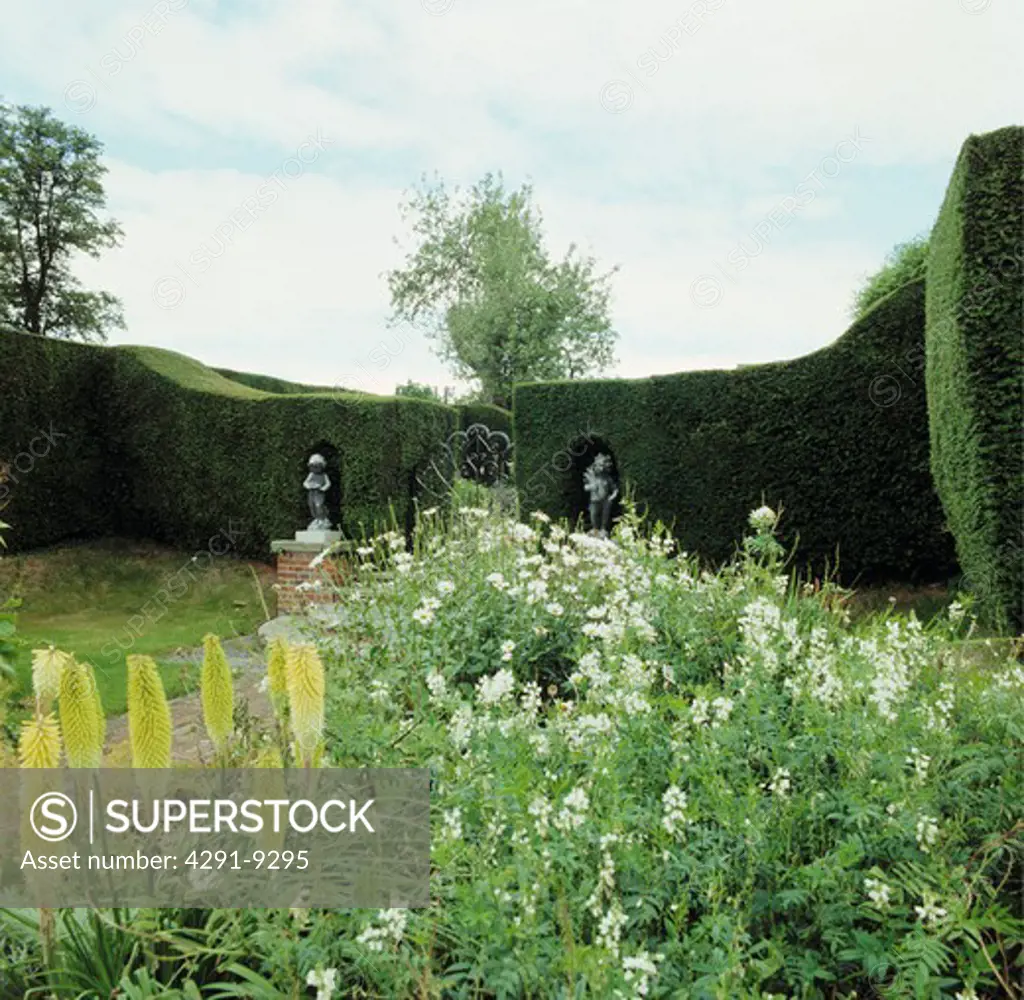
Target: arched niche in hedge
{"points": [[583, 451], [333, 470]]}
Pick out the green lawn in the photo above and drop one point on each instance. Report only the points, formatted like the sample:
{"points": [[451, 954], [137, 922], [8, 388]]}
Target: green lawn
{"points": [[101, 601]]}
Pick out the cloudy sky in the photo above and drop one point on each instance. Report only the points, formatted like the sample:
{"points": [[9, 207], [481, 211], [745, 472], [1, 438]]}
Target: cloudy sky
{"points": [[744, 163]]}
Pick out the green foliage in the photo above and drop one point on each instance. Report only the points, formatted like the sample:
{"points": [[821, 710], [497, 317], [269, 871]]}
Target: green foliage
{"points": [[492, 417], [484, 288], [268, 383], [420, 390], [905, 262], [150, 443], [975, 361], [778, 802], [51, 194], [838, 438]]}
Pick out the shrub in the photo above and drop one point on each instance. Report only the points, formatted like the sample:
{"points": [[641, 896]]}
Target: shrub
{"points": [[905, 262], [732, 791], [149, 443], [975, 361], [838, 438]]}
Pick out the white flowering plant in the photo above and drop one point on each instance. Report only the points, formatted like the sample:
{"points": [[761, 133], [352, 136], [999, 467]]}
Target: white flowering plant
{"points": [[651, 778]]}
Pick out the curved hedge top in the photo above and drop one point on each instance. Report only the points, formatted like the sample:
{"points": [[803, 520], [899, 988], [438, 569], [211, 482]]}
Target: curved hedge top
{"points": [[839, 438], [280, 386], [975, 367], [152, 443]]}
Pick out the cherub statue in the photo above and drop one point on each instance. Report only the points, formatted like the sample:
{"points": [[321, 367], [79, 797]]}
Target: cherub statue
{"points": [[602, 489], [316, 485]]}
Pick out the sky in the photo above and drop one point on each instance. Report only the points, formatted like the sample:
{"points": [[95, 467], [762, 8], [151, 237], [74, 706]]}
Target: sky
{"points": [[744, 164]]}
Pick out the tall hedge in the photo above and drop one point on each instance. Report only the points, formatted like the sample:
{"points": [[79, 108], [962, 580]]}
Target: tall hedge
{"points": [[52, 440], [157, 445], [975, 367], [839, 438], [492, 417]]}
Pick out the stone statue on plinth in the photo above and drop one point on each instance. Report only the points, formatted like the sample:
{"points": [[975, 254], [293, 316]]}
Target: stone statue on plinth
{"points": [[316, 486], [602, 490]]}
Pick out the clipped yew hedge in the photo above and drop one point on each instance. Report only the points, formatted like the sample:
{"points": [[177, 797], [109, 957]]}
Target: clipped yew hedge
{"points": [[268, 383], [838, 438], [975, 366], [157, 445], [492, 417], [52, 440]]}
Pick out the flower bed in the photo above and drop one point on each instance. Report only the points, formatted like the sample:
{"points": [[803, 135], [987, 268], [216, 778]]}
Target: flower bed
{"points": [[656, 781]]}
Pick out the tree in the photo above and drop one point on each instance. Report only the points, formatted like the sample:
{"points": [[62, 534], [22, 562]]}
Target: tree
{"points": [[418, 390], [905, 262], [51, 192], [482, 286]]}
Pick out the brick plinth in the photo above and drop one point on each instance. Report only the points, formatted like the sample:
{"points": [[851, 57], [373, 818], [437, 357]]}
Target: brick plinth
{"points": [[293, 569]]}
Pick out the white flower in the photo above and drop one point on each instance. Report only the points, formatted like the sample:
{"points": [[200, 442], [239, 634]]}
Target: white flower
{"points": [[967, 993], [436, 685], [507, 649], [445, 587], [573, 812], [522, 532], [539, 515], [722, 709], [674, 801], [555, 609], [536, 590], [379, 691], [365, 550], [762, 519], [423, 615], [930, 913], [497, 580], [491, 690], [394, 921], [956, 612], [452, 824], [541, 810], [325, 982], [927, 832], [609, 930], [638, 969], [878, 891], [779, 785], [920, 762]]}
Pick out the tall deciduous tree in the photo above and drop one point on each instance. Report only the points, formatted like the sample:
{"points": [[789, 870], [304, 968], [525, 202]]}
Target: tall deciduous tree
{"points": [[482, 286], [51, 197]]}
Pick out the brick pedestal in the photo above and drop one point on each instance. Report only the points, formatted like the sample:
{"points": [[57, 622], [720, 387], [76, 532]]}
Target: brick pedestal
{"points": [[293, 569]]}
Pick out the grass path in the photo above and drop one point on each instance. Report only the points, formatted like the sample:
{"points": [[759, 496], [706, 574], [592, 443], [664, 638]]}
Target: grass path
{"points": [[101, 600]]}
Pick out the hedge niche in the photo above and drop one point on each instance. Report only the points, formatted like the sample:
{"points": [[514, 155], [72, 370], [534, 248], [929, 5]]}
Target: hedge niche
{"points": [[159, 446], [839, 438], [975, 366]]}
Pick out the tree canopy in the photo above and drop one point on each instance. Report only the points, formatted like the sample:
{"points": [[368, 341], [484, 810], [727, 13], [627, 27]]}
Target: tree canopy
{"points": [[482, 286], [905, 262], [51, 197]]}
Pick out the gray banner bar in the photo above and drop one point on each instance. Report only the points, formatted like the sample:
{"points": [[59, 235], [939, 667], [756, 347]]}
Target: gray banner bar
{"points": [[215, 838]]}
